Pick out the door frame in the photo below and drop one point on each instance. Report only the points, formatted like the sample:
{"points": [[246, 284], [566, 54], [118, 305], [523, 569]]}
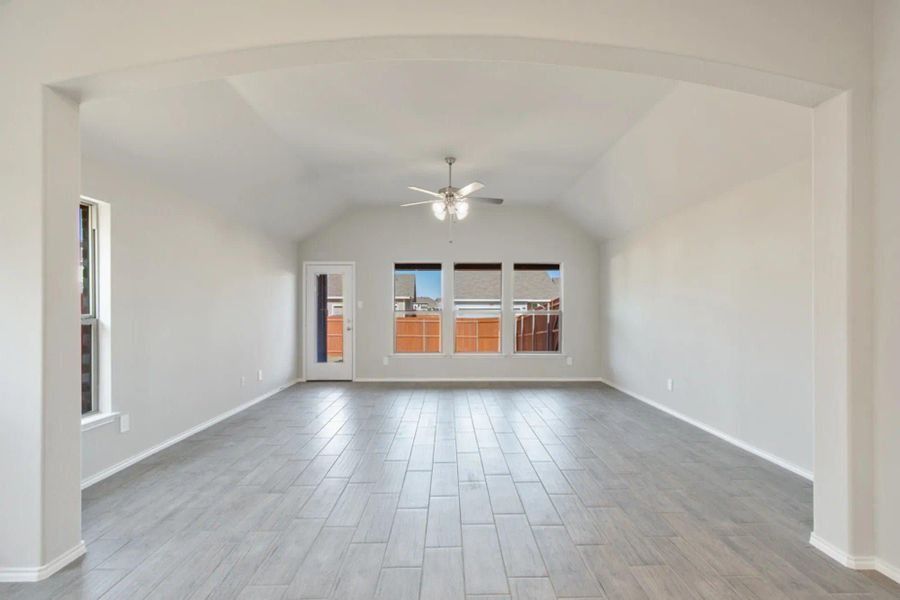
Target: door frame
{"points": [[303, 320]]}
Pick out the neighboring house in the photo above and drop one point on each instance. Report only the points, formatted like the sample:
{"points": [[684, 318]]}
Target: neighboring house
{"points": [[405, 298], [424, 303], [404, 292], [534, 290], [335, 295]]}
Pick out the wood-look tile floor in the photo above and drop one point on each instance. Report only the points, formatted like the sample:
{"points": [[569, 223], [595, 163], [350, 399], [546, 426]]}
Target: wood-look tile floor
{"points": [[395, 492]]}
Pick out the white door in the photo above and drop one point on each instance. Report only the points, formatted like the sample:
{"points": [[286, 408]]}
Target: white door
{"points": [[328, 323]]}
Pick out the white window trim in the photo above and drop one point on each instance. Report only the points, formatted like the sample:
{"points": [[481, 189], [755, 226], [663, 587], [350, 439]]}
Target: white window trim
{"points": [[562, 303], [104, 413], [97, 419], [507, 314], [499, 310], [393, 353]]}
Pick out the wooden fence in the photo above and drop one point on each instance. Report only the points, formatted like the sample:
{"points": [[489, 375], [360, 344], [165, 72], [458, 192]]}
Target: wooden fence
{"points": [[417, 333], [478, 334], [537, 333], [422, 333], [334, 342]]}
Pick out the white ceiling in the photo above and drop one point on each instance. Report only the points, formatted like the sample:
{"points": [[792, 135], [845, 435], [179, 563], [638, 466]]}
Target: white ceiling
{"points": [[300, 146]]}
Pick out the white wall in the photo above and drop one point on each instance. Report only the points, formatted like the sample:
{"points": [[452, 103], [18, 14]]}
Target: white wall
{"points": [[694, 143], [197, 302], [719, 297], [887, 288], [375, 239]]}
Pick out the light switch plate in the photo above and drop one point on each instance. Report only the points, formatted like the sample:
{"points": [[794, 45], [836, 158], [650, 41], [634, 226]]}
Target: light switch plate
{"points": [[385, 360], [124, 423], [259, 375]]}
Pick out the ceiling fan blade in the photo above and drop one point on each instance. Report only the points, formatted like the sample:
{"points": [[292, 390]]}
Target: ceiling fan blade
{"points": [[429, 192], [484, 200], [469, 189], [417, 203]]}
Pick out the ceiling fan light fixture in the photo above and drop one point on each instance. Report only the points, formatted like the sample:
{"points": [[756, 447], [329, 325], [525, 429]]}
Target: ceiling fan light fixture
{"points": [[452, 202]]}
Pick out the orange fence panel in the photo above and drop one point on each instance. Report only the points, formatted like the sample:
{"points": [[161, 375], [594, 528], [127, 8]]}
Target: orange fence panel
{"points": [[479, 334], [417, 333], [335, 337]]}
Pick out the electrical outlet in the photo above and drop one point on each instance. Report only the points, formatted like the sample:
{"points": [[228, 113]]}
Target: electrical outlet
{"points": [[124, 423], [359, 304], [385, 360], [670, 384], [243, 381], [569, 360], [259, 375]]}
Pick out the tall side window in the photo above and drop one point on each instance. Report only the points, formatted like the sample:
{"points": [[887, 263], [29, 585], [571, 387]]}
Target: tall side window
{"points": [[87, 238], [417, 308], [537, 304], [477, 293]]}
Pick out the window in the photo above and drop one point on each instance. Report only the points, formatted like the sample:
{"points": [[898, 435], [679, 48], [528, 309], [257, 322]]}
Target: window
{"points": [[537, 306], [477, 307], [417, 308], [87, 237]]}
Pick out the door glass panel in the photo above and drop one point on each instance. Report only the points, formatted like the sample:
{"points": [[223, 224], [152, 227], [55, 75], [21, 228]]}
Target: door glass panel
{"points": [[329, 317]]}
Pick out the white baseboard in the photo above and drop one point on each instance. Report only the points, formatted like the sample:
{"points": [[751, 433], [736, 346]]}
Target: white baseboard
{"points": [[30, 574], [101, 475], [860, 563], [888, 570], [476, 379], [784, 464]]}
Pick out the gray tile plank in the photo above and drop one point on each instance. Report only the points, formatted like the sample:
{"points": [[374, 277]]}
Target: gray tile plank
{"points": [[520, 552], [504, 497], [290, 549], [475, 504], [483, 562], [399, 584], [377, 518], [442, 574], [537, 504], [317, 574], [406, 544], [416, 490], [359, 573], [444, 522], [568, 572]]}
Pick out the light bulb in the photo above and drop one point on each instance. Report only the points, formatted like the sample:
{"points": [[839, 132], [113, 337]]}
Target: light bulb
{"points": [[439, 210], [462, 210]]}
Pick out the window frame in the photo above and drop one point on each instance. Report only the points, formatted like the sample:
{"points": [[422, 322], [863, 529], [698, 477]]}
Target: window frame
{"points": [[558, 312], [479, 266], [440, 312], [90, 319]]}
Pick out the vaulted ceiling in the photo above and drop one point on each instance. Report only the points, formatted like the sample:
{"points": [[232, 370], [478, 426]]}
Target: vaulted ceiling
{"points": [[288, 150]]}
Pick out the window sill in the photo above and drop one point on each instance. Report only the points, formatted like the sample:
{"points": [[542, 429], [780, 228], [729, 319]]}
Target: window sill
{"points": [[537, 354], [97, 420], [419, 355]]}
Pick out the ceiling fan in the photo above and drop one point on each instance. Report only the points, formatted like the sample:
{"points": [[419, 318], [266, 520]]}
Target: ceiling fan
{"points": [[453, 201]]}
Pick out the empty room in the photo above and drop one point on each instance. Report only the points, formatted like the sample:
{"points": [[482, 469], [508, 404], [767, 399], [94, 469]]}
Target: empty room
{"points": [[453, 301]]}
